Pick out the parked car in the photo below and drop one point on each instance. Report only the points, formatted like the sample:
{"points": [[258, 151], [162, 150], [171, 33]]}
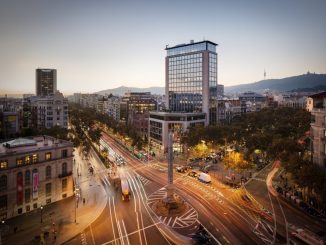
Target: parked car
{"points": [[206, 178]]}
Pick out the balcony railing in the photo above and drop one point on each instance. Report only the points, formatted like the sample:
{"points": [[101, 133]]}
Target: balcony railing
{"points": [[65, 174]]}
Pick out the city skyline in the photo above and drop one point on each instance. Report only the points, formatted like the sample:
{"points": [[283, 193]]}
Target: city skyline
{"points": [[106, 45]]}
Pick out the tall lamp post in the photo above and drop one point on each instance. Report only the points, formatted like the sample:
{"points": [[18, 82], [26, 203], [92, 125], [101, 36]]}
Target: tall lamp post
{"points": [[41, 213]]}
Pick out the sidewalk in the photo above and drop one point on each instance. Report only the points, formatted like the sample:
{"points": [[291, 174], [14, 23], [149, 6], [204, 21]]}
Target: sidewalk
{"points": [[60, 216]]}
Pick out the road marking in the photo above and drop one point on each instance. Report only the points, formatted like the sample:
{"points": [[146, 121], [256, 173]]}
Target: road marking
{"points": [[132, 233], [124, 227], [83, 239], [112, 219], [215, 239], [93, 240], [185, 220]]}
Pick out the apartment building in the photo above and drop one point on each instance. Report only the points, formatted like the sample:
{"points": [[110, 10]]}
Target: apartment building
{"points": [[33, 173]]}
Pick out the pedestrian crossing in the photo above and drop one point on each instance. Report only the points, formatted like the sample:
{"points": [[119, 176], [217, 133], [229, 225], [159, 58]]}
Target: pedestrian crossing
{"points": [[211, 193], [83, 238], [184, 220], [158, 167], [143, 180]]}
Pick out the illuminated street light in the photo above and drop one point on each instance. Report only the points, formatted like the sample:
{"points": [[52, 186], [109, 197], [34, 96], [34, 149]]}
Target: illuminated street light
{"points": [[41, 213], [76, 202]]}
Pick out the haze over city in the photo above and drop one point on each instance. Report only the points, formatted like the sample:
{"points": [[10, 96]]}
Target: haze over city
{"points": [[106, 44]]}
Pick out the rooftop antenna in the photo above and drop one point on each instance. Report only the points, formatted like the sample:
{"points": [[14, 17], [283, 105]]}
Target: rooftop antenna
{"points": [[264, 74]]}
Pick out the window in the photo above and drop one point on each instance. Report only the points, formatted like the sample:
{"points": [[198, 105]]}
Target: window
{"points": [[20, 211], [64, 153], [27, 160], [27, 177], [3, 202], [34, 158], [19, 161], [48, 189], [48, 172], [35, 205], [64, 168], [64, 184], [28, 208], [27, 195], [3, 164], [48, 201], [48, 156], [3, 182]]}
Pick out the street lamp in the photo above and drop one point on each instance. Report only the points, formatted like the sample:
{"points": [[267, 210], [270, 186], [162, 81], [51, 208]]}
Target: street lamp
{"points": [[41, 213], [76, 203]]}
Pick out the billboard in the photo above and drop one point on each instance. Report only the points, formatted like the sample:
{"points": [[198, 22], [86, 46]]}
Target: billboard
{"points": [[20, 193], [35, 184]]}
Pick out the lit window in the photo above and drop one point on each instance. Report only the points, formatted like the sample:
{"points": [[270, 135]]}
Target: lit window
{"points": [[19, 161], [27, 160], [3, 164], [48, 156], [34, 158]]}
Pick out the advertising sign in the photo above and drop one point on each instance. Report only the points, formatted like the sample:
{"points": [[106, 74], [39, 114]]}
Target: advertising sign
{"points": [[35, 185], [20, 193]]}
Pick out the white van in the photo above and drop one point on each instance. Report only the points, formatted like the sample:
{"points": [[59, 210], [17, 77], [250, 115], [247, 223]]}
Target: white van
{"points": [[205, 178]]}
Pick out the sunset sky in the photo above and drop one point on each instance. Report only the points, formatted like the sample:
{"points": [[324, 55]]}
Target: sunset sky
{"points": [[96, 45]]}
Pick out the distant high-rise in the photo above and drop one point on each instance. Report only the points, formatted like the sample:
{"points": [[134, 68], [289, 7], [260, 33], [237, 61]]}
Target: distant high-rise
{"points": [[191, 79], [46, 82]]}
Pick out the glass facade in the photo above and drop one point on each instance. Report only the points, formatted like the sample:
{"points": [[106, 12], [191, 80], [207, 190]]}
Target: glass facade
{"points": [[212, 84], [185, 83], [156, 130], [192, 79]]}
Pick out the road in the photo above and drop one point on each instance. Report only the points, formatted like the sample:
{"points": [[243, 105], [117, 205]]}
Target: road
{"points": [[120, 222], [230, 216], [227, 222], [285, 214]]}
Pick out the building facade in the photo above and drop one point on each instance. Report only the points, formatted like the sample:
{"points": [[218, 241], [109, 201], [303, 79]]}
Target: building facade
{"points": [[34, 172], [190, 92], [318, 127], [191, 79], [46, 82], [135, 108], [49, 111], [161, 123]]}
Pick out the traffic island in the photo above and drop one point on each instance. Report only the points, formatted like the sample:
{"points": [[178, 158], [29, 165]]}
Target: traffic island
{"points": [[170, 206]]}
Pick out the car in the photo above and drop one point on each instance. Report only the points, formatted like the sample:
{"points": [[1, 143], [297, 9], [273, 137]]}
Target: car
{"points": [[181, 169], [193, 173]]}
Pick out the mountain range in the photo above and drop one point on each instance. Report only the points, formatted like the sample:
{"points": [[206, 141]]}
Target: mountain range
{"points": [[305, 82]]}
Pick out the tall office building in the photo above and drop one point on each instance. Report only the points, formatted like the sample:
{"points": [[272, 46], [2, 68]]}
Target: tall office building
{"points": [[190, 90], [46, 82], [191, 79]]}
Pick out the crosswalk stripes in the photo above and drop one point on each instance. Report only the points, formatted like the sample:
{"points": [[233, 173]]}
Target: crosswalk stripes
{"points": [[185, 220], [143, 180], [158, 167], [83, 239]]}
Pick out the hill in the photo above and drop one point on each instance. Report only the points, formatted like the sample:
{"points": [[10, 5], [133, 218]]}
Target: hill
{"points": [[122, 90], [306, 81]]}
